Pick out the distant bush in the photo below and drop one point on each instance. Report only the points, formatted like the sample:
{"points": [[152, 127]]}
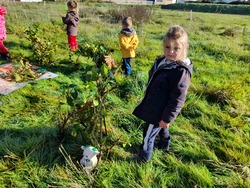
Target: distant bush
{"points": [[231, 32], [207, 28], [211, 8], [140, 14]]}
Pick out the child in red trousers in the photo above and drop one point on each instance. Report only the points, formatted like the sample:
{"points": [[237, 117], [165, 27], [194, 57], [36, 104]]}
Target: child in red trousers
{"points": [[72, 21]]}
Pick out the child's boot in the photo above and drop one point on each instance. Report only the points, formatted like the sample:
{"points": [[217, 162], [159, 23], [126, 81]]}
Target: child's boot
{"points": [[5, 56], [144, 156], [164, 144]]}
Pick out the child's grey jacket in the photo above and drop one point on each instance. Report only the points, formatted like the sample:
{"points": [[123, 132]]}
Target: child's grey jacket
{"points": [[72, 21], [166, 91]]}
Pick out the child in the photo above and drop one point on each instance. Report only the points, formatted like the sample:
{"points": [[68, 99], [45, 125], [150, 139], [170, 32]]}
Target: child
{"points": [[72, 21], [169, 80], [128, 41], [3, 50]]}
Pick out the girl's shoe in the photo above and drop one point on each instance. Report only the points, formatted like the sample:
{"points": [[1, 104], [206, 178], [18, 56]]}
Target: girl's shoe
{"points": [[5, 56]]}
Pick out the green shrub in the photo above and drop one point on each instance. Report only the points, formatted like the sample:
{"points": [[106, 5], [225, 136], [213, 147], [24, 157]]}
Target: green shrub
{"points": [[44, 50]]}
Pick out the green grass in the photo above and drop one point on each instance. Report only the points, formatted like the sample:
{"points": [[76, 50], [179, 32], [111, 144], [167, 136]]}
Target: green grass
{"points": [[210, 138]]}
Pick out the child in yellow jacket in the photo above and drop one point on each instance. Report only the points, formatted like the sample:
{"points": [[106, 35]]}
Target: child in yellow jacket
{"points": [[128, 41]]}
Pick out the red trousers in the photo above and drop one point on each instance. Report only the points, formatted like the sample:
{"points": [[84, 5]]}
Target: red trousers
{"points": [[3, 49], [73, 45]]}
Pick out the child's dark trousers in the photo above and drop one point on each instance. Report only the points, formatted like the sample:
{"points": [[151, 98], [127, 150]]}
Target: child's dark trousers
{"points": [[149, 134]]}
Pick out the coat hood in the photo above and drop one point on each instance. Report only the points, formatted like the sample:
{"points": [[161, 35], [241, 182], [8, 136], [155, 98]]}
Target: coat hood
{"points": [[128, 31], [187, 64], [3, 10]]}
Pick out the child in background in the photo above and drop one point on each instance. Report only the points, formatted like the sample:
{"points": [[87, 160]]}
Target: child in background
{"points": [[128, 41], [72, 21], [169, 80], [3, 50]]}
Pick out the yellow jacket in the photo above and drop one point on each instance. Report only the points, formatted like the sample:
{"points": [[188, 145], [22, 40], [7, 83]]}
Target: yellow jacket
{"points": [[128, 41]]}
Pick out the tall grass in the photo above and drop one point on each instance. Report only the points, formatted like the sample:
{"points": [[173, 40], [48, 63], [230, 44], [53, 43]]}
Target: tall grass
{"points": [[210, 138]]}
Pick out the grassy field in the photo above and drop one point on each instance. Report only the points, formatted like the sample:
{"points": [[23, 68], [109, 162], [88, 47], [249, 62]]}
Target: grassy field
{"points": [[210, 138]]}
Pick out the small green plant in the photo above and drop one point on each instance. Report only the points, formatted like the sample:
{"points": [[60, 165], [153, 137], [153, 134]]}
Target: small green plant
{"points": [[44, 50], [88, 108]]}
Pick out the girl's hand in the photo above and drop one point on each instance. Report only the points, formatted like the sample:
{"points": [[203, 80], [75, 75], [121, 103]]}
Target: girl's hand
{"points": [[163, 124]]}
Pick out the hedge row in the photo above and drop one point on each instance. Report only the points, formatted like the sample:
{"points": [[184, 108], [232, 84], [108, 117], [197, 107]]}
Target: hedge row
{"points": [[212, 8]]}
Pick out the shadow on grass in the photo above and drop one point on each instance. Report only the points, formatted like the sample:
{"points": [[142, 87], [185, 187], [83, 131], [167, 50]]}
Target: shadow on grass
{"points": [[37, 144], [11, 44], [69, 67]]}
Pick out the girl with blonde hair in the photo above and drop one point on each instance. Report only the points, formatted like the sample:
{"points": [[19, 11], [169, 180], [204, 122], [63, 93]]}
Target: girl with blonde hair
{"points": [[169, 80]]}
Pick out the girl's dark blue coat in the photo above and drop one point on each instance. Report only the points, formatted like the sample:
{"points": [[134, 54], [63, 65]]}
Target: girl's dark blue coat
{"points": [[165, 93]]}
